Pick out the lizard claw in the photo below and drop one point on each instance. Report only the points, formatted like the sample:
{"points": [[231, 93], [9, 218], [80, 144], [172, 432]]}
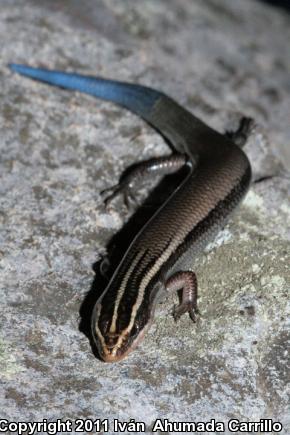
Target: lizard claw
{"points": [[183, 308], [114, 191]]}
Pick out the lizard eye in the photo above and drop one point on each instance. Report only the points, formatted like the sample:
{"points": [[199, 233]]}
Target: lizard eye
{"points": [[135, 330], [104, 325]]}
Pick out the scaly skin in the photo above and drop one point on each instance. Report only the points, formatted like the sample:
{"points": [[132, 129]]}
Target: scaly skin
{"points": [[160, 256]]}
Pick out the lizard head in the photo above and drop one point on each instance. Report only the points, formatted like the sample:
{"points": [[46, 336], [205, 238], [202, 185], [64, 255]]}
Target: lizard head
{"points": [[116, 333]]}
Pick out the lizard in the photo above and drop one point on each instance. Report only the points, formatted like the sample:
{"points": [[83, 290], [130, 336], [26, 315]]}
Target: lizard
{"points": [[160, 258]]}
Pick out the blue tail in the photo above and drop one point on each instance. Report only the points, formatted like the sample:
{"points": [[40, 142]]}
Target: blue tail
{"points": [[138, 99]]}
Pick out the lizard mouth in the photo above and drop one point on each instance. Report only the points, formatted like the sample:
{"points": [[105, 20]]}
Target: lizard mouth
{"points": [[120, 350], [113, 351], [111, 357]]}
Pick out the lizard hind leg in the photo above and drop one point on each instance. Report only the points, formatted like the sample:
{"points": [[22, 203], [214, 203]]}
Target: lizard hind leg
{"points": [[241, 135]]}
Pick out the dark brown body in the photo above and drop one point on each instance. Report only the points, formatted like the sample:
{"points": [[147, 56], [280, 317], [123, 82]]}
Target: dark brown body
{"points": [[161, 256], [219, 176]]}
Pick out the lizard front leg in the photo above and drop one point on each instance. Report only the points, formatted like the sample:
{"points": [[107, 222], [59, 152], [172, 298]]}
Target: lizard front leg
{"points": [[187, 282]]}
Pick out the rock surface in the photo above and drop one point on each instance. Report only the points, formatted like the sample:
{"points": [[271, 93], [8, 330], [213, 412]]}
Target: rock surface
{"points": [[59, 149]]}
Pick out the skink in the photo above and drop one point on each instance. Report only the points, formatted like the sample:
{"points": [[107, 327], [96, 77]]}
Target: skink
{"points": [[161, 256]]}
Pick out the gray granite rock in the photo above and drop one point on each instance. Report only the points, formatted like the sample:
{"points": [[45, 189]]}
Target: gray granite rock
{"points": [[59, 149]]}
